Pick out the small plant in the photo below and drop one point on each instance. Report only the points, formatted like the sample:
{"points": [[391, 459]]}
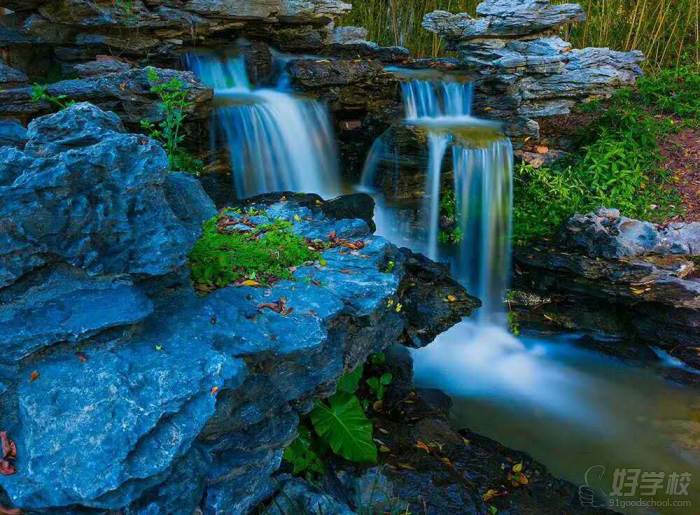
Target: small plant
{"points": [[125, 6], [261, 253], [174, 104], [340, 424], [40, 93]]}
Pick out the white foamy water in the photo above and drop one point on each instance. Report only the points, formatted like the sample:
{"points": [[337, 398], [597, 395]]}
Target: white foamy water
{"points": [[276, 140]]}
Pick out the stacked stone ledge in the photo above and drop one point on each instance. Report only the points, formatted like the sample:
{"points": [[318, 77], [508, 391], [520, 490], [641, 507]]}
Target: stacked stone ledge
{"points": [[525, 71]]}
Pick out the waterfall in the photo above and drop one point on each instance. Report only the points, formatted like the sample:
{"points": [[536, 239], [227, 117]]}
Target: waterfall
{"points": [[482, 165], [276, 141], [437, 145]]}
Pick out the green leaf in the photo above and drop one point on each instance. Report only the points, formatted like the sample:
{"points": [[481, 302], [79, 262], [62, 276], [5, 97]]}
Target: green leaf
{"points": [[386, 379], [301, 455], [350, 382], [345, 427]]}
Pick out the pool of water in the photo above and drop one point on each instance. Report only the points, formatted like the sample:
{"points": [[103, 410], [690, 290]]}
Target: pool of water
{"points": [[632, 437]]}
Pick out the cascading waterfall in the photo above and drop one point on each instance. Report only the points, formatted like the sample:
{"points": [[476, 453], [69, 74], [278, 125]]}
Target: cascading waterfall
{"points": [[482, 162], [483, 194], [276, 141]]}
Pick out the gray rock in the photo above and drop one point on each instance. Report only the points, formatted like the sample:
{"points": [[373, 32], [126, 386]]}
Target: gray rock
{"points": [[128, 94], [609, 235], [91, 198], [500, 18], [348, 35], [101, 67], [299, 497]]}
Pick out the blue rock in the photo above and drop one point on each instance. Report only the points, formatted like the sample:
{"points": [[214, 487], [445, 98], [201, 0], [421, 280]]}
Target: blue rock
{"points": [[92, 198], [100, 432], [64, 304], [299, 497], [188, 201], [12, 134]]}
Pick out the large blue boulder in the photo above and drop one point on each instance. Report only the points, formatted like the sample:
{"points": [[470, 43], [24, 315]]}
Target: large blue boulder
{"points": [[85, 193]]}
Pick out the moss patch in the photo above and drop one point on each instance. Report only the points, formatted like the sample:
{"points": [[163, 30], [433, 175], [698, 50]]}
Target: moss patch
{"points": [[235, 247]]}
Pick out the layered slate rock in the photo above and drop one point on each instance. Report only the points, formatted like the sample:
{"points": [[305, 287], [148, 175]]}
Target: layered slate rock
{"points": [[525, 71], [122, 387], [148, 29], [127, 93], [503, 18], [642, 276]]}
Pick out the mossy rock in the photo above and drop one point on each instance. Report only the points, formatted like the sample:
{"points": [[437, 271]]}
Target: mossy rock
{"points": [[237, 246]]}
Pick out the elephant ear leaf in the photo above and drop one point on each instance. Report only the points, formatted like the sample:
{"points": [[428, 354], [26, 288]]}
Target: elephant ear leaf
{"points": [[344, 426]]}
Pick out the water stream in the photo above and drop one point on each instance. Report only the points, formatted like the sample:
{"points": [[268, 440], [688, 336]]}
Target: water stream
{"points": [[591, 418], [276, 141]]}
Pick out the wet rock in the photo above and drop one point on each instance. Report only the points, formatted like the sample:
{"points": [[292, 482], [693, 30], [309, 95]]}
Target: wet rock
{"points": [[431, 298], [11, 78], [632, 275]]}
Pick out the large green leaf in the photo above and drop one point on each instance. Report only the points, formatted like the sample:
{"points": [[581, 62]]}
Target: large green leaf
{"points": [[345, 427]]}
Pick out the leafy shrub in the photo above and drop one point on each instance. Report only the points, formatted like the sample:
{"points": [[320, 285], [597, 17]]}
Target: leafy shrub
{"points": [[619, 163], [174, 103], [675, 91], [265, 252]]}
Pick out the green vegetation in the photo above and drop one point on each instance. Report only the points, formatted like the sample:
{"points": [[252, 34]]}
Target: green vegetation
{"points": [[40, 93], [174, 104], [126, 6], [262, 252], [667, 31], [448, 210], [618, 164], [340, 425]]}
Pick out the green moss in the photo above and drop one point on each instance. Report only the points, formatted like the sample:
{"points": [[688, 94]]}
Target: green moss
{"points": [[265, 252]]}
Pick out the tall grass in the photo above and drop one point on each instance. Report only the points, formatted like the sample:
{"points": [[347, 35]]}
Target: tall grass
{"points": [[667, 31]]}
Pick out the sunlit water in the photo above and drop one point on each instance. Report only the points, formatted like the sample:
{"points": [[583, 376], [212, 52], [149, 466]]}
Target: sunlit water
{"points": [[276, 141], [581, 413]]}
